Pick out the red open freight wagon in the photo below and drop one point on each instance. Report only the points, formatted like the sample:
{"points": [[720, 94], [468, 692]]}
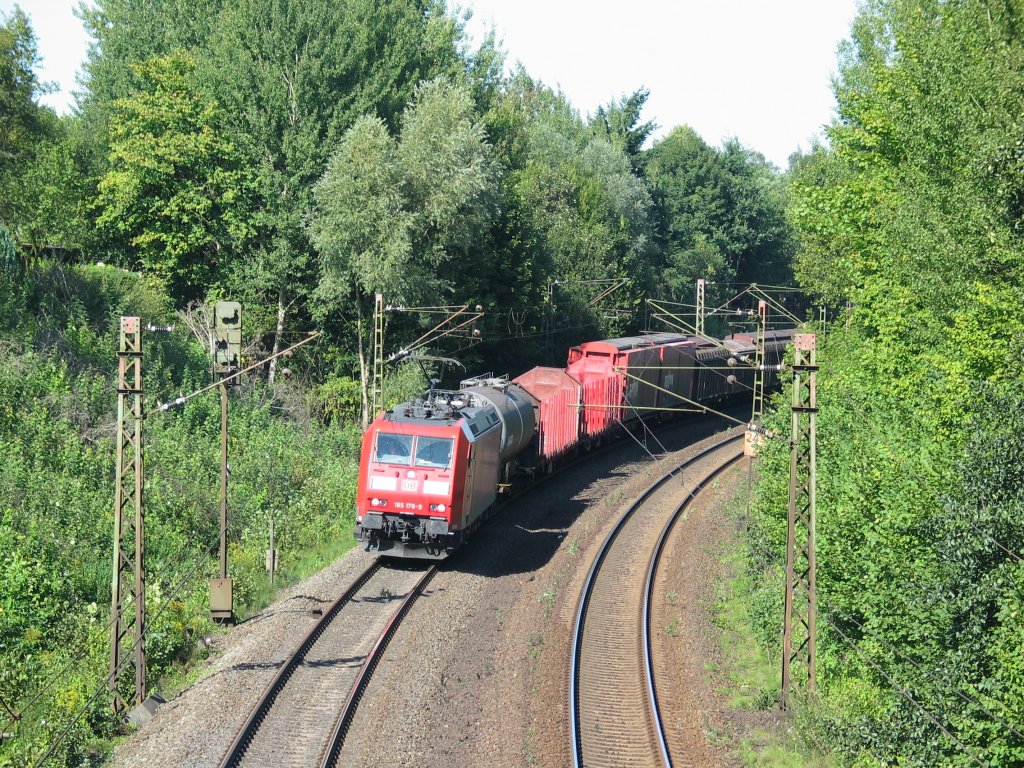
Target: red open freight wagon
{"points": [[607, 382]]}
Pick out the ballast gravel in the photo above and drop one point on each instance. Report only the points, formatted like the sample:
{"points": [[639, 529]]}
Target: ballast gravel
{"points": [[480, 680]]}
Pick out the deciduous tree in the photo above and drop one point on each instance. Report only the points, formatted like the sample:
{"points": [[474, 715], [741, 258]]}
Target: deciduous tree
{"points": [[401, 216], [293, 77], [177, 188]]}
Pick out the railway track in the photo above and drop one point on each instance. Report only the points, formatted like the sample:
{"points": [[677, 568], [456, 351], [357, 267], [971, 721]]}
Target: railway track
{"points": [[298, 722], [613, 706], [304, 715]]}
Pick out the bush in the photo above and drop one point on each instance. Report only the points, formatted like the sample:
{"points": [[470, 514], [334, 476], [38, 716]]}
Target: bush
{"points": [[57, 430], [915, 530]]}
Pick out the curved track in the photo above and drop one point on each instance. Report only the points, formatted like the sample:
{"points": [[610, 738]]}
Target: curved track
{"points": [[613, 703], [298, 721]]}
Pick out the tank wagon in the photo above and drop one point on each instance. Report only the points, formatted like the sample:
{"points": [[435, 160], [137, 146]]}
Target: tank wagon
{"points": [[431, 469]]}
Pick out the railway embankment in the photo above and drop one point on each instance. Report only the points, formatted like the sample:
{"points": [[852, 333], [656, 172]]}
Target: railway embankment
{"points": [[477, 674]]}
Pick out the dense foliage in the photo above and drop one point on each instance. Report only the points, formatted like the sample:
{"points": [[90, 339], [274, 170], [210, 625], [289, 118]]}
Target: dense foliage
{"points": [[912, 219], [57, 426]]}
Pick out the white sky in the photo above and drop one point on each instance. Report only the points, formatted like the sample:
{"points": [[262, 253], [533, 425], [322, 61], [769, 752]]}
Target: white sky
{"points": [[758, 70]]}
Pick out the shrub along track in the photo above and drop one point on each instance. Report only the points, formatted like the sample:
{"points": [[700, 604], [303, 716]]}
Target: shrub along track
{"points": [[614, 708]]}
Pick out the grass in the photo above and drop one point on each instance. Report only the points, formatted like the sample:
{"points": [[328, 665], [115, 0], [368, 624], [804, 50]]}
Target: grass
{"points": [[548, 598], [764, 749], [749, 671], [529, 754], [536, 649], [306, 564], [753, 676], [316, 559]]}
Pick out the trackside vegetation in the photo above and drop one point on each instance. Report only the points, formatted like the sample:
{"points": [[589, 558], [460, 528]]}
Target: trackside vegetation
{"points": [[57, 421], [911, 219]]}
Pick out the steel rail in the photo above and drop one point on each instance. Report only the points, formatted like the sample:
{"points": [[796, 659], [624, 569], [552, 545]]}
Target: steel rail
{"points": [[581, 610], [369, 666], [236, 751], [652, 569]]}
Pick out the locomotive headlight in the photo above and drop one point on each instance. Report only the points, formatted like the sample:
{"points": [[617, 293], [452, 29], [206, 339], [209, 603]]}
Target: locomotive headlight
{"points": [[410, 474], [375, 502], [437, 507]]}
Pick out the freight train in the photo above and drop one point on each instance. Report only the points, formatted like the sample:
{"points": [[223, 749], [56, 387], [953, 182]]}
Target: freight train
{"points": [[431, 469]]}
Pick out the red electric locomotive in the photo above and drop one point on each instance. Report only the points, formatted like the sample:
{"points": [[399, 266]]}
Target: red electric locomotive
{"points": [[432, 468]]}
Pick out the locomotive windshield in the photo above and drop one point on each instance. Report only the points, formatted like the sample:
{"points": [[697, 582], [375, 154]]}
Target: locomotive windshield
{"points": [[422, 451], [393, 449], [433, 451]]}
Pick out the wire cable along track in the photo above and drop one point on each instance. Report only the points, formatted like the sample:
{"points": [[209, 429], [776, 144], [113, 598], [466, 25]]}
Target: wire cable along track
{"points": [[613, 705], [298, 721]]}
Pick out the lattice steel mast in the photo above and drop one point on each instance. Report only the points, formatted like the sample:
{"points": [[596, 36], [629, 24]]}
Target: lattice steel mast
{"points": [[798, 633], [757, 410], [699, 324], [129, 566], [377, 395]]}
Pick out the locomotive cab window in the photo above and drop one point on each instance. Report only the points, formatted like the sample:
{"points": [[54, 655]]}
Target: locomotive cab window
{"points": [[393, 449], [433, 451]]}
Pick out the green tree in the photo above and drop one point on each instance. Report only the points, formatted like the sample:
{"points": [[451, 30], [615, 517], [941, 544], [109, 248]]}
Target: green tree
{"points": [[41, 192], [914, 217], [9, 264], [688, 183], [402, 216], [588, 212], [293, 76], [126, 33], [19, 87], [619, 123], [721, 214], [55, 192], [176, 188], [836, 213]]}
